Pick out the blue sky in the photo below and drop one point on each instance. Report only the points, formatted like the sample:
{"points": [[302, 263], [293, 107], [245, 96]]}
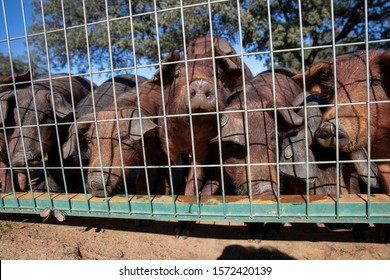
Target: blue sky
{"points": [[16, 29]]}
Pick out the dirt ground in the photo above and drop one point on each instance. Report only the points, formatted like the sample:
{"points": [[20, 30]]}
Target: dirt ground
{"points": [[28, 237]]}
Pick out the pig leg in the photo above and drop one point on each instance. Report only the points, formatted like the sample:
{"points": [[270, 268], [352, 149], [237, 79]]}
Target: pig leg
{"points": [[190, 185], [212, 184], [184, 228], [202, 157], [255, 232], [384, 171]]}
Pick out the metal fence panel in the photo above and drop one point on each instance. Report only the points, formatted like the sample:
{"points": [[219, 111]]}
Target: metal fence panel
{"points": [[283, 205]]}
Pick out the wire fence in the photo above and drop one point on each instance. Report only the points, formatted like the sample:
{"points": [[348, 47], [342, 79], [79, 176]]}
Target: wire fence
{"points": [[202, 138]]}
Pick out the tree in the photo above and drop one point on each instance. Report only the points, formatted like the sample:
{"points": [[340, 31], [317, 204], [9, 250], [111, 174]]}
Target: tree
{"points": [[349, 27]]}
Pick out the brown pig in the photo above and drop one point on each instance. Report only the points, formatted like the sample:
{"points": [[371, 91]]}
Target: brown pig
{"points": [[109, 159], [25, 110], [353, 120], [321, 177], [261, 132], [113, 178], [200, 96]]}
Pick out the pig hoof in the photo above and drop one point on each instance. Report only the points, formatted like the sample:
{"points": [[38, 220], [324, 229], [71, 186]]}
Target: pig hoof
{"points": [[183, 230], [255, 232], [140, 223], [361, 232], [271, 230], [384, 233]]}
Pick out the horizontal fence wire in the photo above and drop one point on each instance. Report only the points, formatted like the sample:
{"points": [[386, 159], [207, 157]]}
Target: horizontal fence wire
{"points": [[157, 185]]}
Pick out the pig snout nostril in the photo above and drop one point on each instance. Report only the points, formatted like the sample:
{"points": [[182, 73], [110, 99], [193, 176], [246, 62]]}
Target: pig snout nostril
{"points": [[207, 93], [193, 92]]}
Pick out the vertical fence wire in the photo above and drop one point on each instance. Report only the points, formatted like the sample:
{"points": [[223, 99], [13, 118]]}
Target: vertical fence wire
{"points": [[336, 105], [217, 111], [305, 109], [1, 107], [140, 113], [18, 113], [174, 206], [193, 158], [194, 164], [116, 107], [95, 122], [275, 109], [368, 205], [72, 99]]}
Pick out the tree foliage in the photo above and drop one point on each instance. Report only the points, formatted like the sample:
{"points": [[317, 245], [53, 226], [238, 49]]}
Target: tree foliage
{"points": [[118, 33]]}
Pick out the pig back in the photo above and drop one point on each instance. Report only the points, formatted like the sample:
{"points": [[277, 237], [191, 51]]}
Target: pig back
{"points": [[103, 96], [76, 87]]}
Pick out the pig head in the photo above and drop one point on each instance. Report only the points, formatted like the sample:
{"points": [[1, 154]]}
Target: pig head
{"points": [[191, 87], [118, 148], [353, 121], [203, 46], [321, 176], [24, 145]]}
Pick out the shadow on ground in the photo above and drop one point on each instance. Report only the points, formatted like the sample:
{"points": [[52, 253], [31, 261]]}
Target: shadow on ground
{"points": [[234, 231]]}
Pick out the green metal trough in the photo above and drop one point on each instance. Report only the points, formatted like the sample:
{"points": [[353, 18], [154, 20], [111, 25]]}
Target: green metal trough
{"points": [[290, 208]]}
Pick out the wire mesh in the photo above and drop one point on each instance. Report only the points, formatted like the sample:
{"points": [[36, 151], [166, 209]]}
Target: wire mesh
{"points": [[173, 170]]}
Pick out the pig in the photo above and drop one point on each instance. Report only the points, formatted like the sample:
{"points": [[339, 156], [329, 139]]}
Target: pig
{"points": [[353, 119], [261, 128], [321, 177], [130, 132], [202, 100], [22, 105], [6, 81], [100, 99], [262, 135], [130, 141]]}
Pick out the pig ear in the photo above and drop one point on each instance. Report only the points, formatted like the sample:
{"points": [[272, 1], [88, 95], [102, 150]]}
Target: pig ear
{"points": [[5, 99], [313, 76], [18, 78], [293, 150], [69, 148], [232, 68], [166, 69], [232, 129], [26, 76], [362, 168], [385, 68], [289, 116], [62, 106], [134, 127]]}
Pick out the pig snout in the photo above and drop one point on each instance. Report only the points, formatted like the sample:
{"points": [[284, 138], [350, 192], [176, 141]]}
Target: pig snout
{"points": [[33, 159], [326, 135], [262, 188], [95, 185], [202, 97]]}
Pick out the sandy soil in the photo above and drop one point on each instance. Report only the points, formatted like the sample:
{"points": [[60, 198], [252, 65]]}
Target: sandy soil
{"points": [[28, 237]]}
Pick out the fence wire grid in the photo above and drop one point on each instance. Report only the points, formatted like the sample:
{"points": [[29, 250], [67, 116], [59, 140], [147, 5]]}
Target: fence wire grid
{"points": [[190, 110]]}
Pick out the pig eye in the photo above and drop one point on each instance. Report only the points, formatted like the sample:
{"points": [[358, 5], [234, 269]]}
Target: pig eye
{"points": [[124, 137], [48, 117], [324, 77], [375, 81], [176, 73]]}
